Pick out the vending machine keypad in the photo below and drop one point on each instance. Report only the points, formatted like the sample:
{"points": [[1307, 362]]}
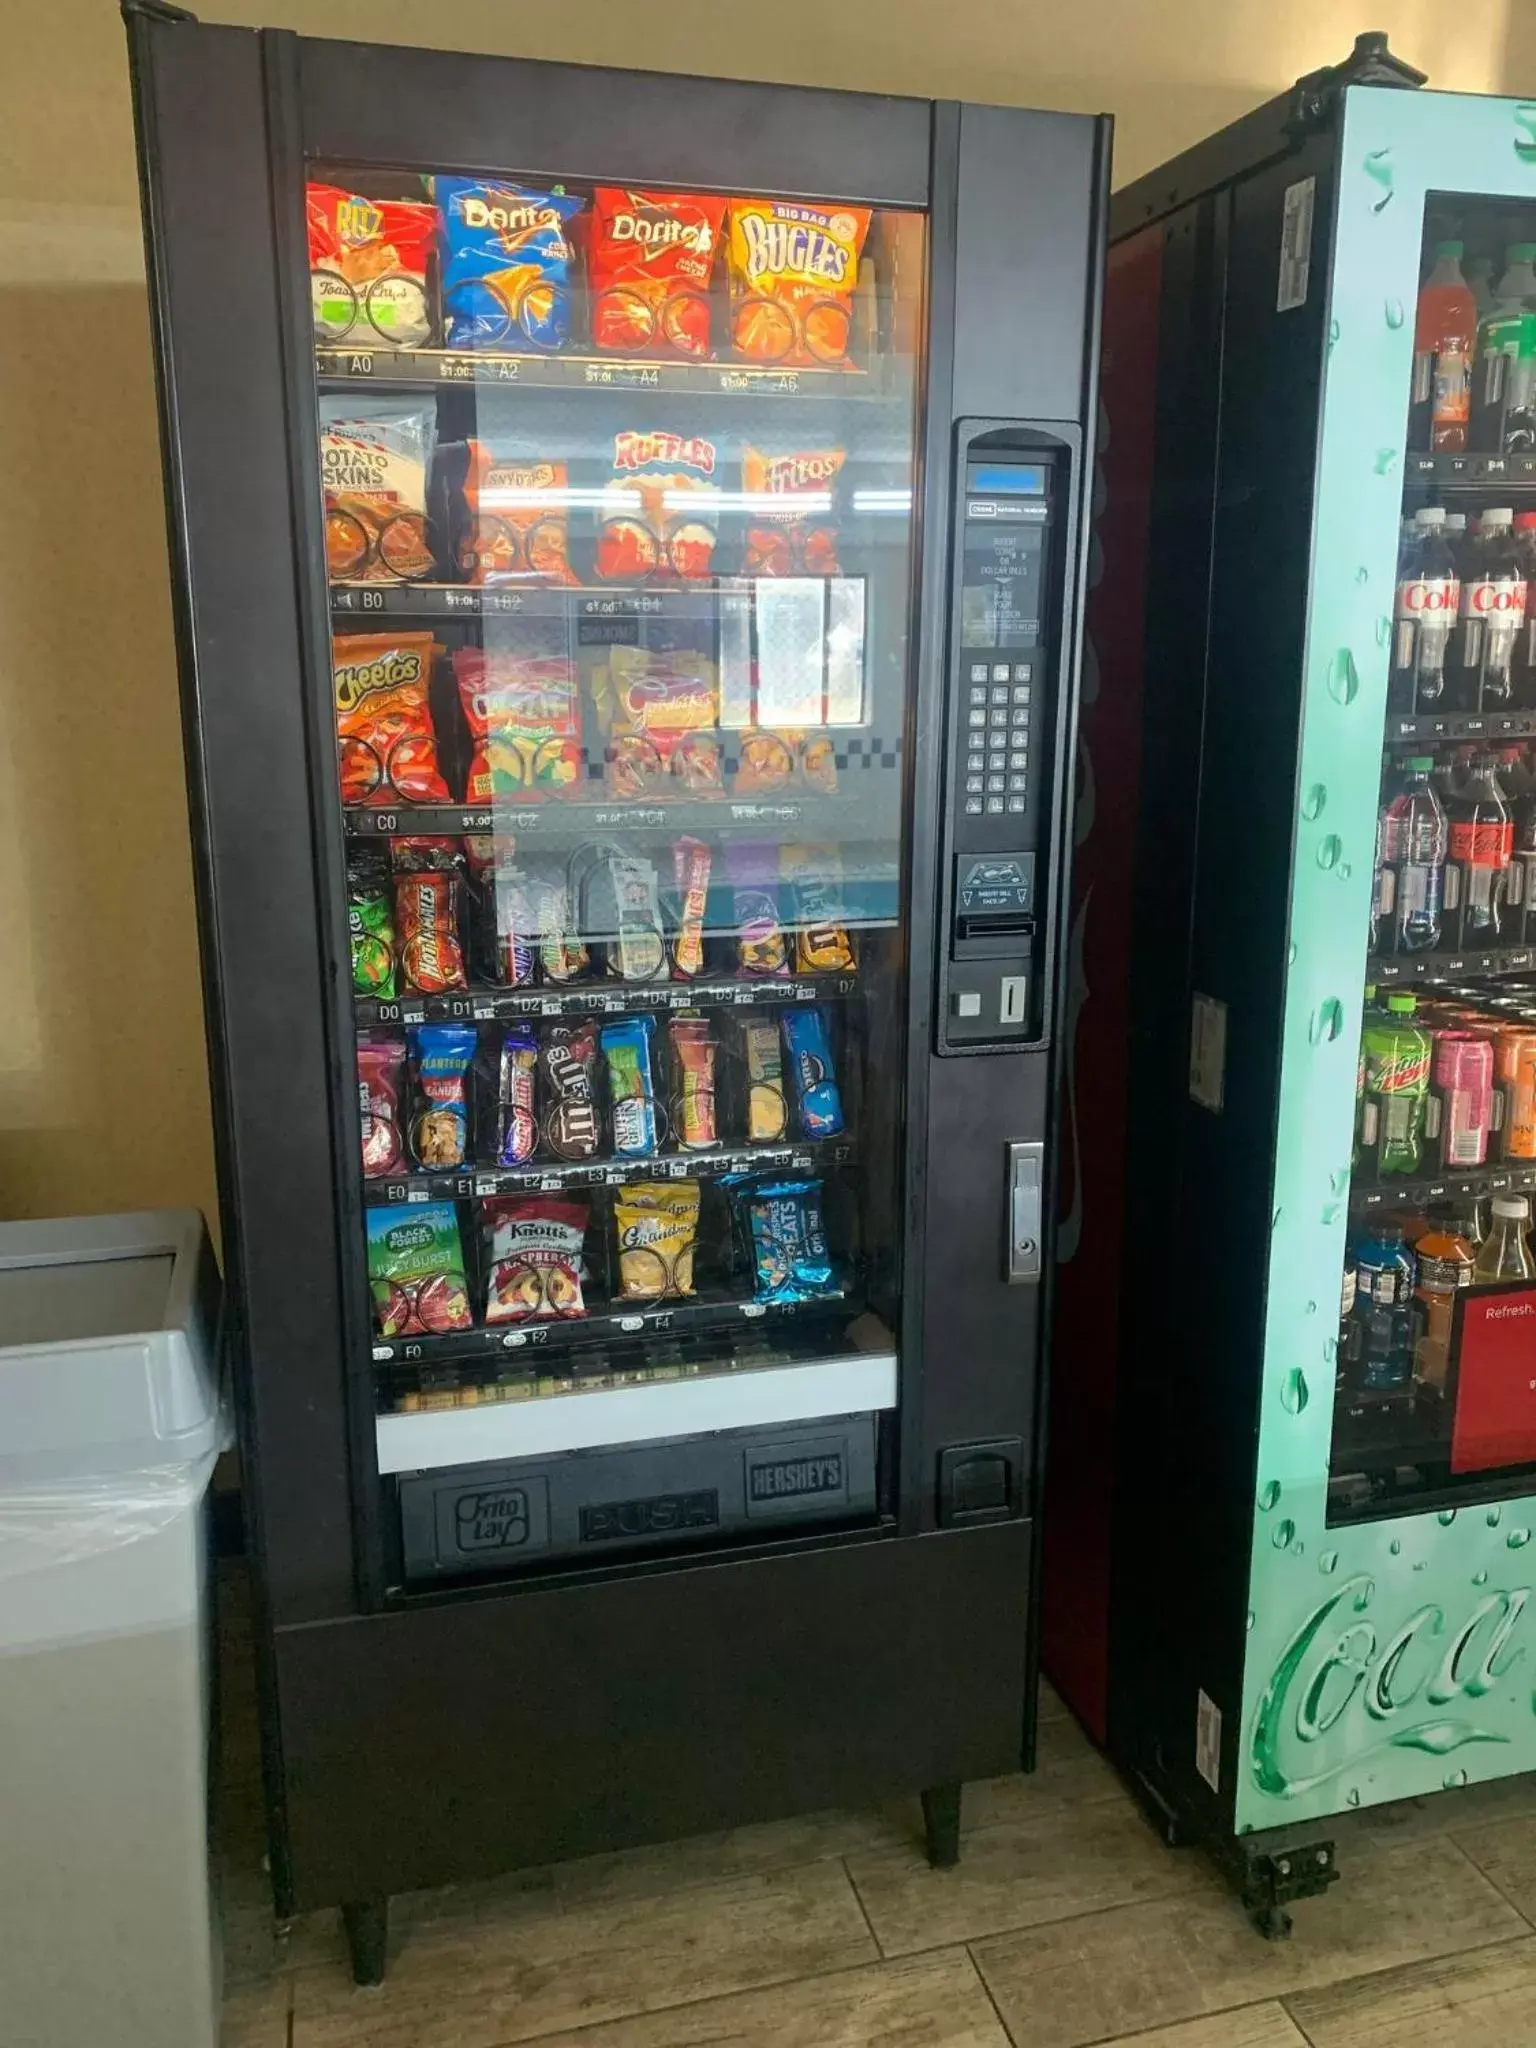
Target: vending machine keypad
{"points": [[1009, 494]]}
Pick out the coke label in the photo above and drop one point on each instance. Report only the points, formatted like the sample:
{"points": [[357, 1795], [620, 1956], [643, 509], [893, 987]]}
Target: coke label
{"points": [[1477, 845]]}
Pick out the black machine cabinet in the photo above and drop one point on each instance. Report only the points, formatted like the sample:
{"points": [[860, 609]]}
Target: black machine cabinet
{"points": [[729, 1553]]}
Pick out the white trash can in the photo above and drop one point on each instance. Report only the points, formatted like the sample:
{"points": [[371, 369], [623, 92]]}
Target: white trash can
{"points": [[110, 1422]]}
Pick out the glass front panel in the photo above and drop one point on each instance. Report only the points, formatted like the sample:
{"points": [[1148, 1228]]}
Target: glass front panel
{"points": [[1436, 1361], [618, 516]]}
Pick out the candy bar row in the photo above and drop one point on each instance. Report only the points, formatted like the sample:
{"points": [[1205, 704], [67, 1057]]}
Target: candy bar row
{"points": [[446, 1096], [425, 912], [536, 1255]]}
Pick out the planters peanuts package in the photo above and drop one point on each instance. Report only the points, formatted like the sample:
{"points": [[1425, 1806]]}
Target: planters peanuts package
{"points": [[507, 260]]}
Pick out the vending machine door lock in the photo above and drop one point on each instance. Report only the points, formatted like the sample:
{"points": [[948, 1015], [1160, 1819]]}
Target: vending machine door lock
{"points": [[1026, 1213]]}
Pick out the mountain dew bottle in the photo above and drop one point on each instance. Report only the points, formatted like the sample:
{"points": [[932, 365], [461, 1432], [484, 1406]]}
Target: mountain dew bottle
{"points": [[1396, 1054]]}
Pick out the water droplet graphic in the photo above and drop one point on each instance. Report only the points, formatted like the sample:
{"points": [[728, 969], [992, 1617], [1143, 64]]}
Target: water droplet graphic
{"points": [[1395, 314], [1362, 575], [1343, 677], [1331, 1350], [1327, 1023], [1290, 954], [1386, 461], [1445, 1517], [1327, 1562], [1396, 1546], [1525, 138], [1314, 800], [1333, 334], [1294, 1392], [1495, 1516], [1452, 1779], [1252, 1618], [1422, 1565], [1383, 632], [1517, 1539], [1284, 1536], [1344, 871], [1378, 168], [1269, 1493], [1480, 1578], [1311, 1308], [1338, 1180], [1274, 1221], [1352, 1797], [1329, 850]]}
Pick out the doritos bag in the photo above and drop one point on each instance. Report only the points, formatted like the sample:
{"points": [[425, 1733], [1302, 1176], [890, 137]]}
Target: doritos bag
{"points": [[368, 269], [523, 712], [790, 528], [651, 258], [516, 519], [506, 258], [659, 514], [793, 269], [384, 718]]}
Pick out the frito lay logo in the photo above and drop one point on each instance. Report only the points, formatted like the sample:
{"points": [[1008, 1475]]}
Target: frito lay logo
{"points": [[392, 671], [635, 451], [789, 246], [517, 219], [800, 472], [658, 227]]}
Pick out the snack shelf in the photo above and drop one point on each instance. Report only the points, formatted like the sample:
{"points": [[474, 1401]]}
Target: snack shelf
{"points": [[489, 1006], [1506, 1178], [823, 817], [713, 1309], [1480, 472], [705, 599], [1388, 970], [384, 366], [534, 1414], [388, 1191], [1414, 732]]}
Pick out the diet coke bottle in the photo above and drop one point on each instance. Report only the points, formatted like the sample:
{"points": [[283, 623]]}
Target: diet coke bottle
{"points": [[1428, 598]]}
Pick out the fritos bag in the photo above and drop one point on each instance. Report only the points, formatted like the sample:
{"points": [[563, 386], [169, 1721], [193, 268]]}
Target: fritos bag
{"points": [[790, 528], [659, 514], [516, 519], [650, 263], [524, 715], [792, 270], [388, 749], [506, 253], [374, 456], [368, 268]]}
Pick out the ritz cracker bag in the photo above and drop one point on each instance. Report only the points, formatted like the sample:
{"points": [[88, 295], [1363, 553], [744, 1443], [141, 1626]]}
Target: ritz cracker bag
{"points": [[650, 260], [793, 269], [368, 269]]}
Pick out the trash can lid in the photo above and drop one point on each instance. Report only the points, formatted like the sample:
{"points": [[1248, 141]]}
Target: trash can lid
{"points": [[108, 1345]]}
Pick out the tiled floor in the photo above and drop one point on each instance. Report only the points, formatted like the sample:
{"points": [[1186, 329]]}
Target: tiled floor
{"points": [[1066, 1923]]}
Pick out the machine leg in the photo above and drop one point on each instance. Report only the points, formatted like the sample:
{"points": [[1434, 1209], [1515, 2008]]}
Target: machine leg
{"points": [[941, 1824], [367, 1925]]}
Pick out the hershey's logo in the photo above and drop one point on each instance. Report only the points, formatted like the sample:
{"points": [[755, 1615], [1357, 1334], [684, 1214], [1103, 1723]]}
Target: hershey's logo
{"points": [[791, 1478]]}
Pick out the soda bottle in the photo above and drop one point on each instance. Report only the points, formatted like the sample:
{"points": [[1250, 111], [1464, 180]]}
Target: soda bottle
{"points": [[1397, 1057], [1444, 1260], [1460, 1111], [1414, 843], [1384, 1282], [1478, 271], [1505, 1253], [1524, 664], [1444, 338], [1515, 1063], [1501, 399], [1428, 599], [1520, 794], [1492, 613], [1482, 843]]}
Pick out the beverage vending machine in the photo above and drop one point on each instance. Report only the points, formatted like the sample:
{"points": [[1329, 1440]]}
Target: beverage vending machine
{"points": [[1293, 1483], [627, 534]]}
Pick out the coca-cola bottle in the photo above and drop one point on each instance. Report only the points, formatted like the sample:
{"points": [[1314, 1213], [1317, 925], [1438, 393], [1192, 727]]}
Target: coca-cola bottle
{"points": [[1428, 598], [1482, 844], [1492, 612], [1524, 667], [1520, 791]]}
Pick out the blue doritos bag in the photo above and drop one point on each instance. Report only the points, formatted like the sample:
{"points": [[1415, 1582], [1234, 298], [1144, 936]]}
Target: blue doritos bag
{"points": [[507, 264]]}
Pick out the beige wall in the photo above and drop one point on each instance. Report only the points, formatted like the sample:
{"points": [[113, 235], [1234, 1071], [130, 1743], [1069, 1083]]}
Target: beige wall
{"points": [[103, 1100]]}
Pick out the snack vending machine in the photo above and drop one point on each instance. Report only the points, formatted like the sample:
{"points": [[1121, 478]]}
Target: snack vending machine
{"points": [[1293, 1481], [627, 535]]}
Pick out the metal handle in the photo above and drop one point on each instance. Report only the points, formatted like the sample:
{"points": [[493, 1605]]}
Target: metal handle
{"points": [[1026, 1177]]}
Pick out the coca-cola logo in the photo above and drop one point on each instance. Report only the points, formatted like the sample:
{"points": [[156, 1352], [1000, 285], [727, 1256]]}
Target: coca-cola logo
{"points": [[1489, 597], [1423, 594], [1348, 1687]]}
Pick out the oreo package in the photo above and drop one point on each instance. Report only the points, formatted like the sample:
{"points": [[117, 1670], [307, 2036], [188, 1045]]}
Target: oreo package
{"points": [[808, 1042]]}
